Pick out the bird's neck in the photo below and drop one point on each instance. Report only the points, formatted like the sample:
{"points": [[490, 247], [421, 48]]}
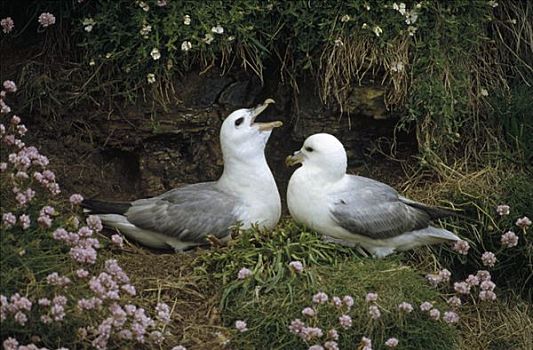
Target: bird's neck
{"points": [[242, 174], [321, 176]]}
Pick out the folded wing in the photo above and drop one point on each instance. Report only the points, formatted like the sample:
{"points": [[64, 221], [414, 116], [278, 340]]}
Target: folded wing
{"points": [[374, 209], [187, 213]]}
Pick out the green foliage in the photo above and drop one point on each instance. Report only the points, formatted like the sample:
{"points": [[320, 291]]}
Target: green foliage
{"points": [[514, 268], [275, 295]]}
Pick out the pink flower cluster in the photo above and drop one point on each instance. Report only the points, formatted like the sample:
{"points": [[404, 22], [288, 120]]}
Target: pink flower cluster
{"points": [[296, 266], [462, 247], [7, 24], [523, 223], [241, 326], [46, 19], [509, 239], [442, 276], [320, 298], [17, 306], [244, 273], [503, 209], [83, 246], [55, 309], [106, 289], [405, 307], [54, 279], [488, 259]]}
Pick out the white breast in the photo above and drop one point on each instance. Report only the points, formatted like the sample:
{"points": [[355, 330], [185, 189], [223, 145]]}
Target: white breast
{"points": [[307, 201]]}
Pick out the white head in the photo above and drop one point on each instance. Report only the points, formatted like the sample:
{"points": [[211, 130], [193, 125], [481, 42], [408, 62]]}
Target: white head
{"points": [[241, 137], [322, 154]]}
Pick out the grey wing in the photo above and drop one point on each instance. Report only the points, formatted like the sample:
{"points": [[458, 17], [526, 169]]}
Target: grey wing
{"points": [[373, 209], [188, 213]]}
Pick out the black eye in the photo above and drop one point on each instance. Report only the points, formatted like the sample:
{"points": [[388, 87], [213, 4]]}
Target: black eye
{"points": [[239, 121], [309, 149]]}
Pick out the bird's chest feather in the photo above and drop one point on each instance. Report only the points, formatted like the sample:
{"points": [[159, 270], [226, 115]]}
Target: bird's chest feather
{"points": [[307, 201]]}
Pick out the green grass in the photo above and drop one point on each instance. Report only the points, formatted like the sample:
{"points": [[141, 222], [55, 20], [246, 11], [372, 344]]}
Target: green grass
{"points": [[274, 295]]}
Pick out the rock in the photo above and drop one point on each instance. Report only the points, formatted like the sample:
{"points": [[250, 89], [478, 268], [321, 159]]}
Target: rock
{"points": [[241, 93]]}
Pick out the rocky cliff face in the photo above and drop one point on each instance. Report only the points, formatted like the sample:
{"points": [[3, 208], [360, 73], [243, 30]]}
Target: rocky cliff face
{"points": [[139, 151]]}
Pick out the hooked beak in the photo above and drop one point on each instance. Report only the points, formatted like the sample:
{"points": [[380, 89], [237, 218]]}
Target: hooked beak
{"points": [[264, 126], [296, 158]]}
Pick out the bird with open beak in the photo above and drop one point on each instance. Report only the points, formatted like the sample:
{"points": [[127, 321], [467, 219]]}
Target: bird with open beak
{"points": [[184, 217]]}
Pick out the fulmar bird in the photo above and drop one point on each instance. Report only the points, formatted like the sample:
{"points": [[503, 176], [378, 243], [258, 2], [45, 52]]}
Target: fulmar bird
{"points": [[184, 217], [355, 210]]}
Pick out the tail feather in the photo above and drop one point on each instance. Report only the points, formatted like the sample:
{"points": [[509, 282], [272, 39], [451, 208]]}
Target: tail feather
{"points": [[433, 212], [436, 235], [95, 206]]}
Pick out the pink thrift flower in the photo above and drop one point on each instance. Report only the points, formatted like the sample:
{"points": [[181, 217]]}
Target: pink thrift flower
{"points": [[117, 240], [450, 317], [445, 275], [374, 312], [309, 312], [509, 239], [483, 275], [10, 344], [345, 321], [337, 302], [45, 221], [472, 280], [128, 288], [454, 301], [157, 337], [488, 259], [179, 347], [55, 280], [391, 343], [371, 297], [244, 273], [348, 301], [296, 266], [426, 306], [434, 314], [296, 326], [82, 273], [240, 326], [21, 318], [487, 295], [9, 220], [366, 343], [316, 347], [161, 3], [76, 199], [15, 120], [503, 209], [94, 222], [331, 345], [7, 24], [320, 298], [461, 247], [333, 334], [433, 279], [25, 221], [487, 285], [405, 307], [523, 223], [46, 19], [3, 167], [461, 287], [44, 302], [163, 313]]}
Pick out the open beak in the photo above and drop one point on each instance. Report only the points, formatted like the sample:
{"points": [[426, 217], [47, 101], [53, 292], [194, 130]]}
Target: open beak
{"points": [[296, 158], [264, 126]]}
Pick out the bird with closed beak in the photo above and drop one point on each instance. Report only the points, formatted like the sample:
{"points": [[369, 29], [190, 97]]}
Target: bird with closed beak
{"points": [[355, 210]]}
